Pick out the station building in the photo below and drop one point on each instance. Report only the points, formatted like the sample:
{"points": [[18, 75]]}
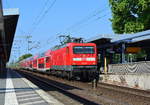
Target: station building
{"points": [[124, 59]]}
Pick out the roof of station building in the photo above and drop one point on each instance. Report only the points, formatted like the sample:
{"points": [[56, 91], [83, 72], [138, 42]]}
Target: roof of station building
{"points": [[140, 36]]}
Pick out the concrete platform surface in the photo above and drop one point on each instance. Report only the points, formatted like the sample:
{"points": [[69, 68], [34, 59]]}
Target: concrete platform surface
{"points": [[17, 90]]}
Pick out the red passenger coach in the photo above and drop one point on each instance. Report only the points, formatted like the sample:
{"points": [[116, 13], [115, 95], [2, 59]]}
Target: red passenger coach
{"points": [[22, 63], [30, 63], [48, 60], [27, 63], [35, 63], [41, 62]]}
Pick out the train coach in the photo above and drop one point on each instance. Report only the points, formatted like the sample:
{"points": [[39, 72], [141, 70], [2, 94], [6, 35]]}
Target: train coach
{"points": [[72, 60]]}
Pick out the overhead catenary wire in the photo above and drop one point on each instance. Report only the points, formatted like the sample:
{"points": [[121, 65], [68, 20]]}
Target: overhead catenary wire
{"points": [[87, 18], [51, 40], [47, 44], [36, 18], [42, 10], [46, 8], [94, 14], [40, 18], [42, 15], [87, 24]]}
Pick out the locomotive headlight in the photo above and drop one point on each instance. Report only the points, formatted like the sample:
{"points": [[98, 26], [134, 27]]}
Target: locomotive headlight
{"points": [[90, 59], [77, 59]]}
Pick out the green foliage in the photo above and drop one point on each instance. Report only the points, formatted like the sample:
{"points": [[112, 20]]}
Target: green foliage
{"points": [[132, 27], [130, 16], [24, 56]]}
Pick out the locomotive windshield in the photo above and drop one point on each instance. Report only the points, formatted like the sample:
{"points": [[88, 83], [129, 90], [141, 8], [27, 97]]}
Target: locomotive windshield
{"points": [[83, 50]]}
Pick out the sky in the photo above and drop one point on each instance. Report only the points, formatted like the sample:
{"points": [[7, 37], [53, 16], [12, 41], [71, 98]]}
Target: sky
{"points": [[45, 20]]}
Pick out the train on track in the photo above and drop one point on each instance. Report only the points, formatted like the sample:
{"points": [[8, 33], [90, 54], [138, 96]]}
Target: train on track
{"points": [[74, 60]]}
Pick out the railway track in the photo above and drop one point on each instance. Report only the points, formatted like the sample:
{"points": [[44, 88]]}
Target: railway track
{"points": [[104, 94], [74, 96], [142, 93]]}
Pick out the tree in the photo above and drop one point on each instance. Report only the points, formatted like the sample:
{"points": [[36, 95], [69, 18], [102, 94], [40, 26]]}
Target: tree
{"points": [[24, 56], [130, 16]]}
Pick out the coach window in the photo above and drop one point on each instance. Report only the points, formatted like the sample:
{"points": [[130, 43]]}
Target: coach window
{"points": [[47, 59]]}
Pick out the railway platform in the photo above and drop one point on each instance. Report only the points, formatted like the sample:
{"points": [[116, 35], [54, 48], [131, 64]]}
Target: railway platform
{"points": [[17, 90]]}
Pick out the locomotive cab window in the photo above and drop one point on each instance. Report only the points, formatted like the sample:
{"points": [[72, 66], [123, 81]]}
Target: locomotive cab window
{"points": [[83, 50]]}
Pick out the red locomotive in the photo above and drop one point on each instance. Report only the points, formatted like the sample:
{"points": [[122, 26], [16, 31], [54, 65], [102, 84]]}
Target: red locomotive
{"points": [[72, 60]]}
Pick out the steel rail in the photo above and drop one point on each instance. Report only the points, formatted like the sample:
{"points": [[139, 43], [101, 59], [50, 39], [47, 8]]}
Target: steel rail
{"points": [[137, 92], [76, 97]]}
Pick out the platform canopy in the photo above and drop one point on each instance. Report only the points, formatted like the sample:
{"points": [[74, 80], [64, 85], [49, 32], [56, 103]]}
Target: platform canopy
{"points": [[8, 23], [140, 39]]}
